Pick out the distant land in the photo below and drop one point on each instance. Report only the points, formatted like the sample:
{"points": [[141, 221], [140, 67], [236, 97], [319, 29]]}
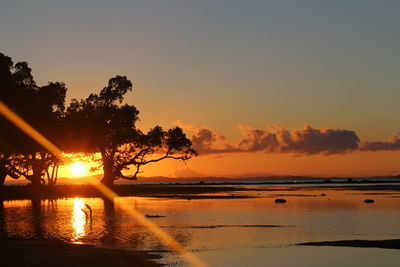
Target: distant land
{"points": [[226, 180]]}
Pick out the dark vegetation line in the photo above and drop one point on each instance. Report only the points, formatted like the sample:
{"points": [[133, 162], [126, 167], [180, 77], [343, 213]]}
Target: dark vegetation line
{"points": [[63, 191], [230, 226], [100, 123], [389, 243]]}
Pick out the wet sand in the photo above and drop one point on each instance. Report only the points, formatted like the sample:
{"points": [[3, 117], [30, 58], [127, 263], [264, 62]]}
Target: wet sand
{"points": [[247, 216], [389, 243], [56, 253]]}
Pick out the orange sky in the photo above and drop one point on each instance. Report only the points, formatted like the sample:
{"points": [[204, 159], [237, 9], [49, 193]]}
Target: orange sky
{"points": [[328, 64], [256, 164]]}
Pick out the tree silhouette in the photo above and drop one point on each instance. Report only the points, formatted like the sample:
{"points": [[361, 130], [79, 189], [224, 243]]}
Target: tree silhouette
{"points": [[8, 137], [101, 123], [156, 145], [43, 108], [6, 150]]}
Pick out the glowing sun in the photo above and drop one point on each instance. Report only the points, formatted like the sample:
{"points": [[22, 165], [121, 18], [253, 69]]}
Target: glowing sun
{"points": [[78, 169]]}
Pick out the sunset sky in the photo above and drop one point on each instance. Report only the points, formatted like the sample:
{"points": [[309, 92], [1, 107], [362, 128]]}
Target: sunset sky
{"points": [[243, 77]]}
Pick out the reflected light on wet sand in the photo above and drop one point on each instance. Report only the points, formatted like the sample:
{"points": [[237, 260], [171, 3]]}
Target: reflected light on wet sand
{"points": [[78, 220]]}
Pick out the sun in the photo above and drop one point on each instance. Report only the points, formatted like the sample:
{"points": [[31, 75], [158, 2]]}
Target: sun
{"points": [[78, 169]]}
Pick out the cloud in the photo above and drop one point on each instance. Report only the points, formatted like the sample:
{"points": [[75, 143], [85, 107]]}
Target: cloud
{"points": [[276, 139], [390, 145], [306, 141], [206, 140]]}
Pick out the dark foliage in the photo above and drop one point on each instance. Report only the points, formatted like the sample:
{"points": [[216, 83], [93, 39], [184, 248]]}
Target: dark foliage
{"points": [[42, 107]]}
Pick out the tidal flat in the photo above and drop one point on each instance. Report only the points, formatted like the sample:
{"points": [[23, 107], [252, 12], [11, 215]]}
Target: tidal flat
{"points": [[237, 226]]}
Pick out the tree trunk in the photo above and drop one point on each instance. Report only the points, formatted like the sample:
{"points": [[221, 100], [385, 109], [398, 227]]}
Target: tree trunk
{"points": [[108, 180], [3, 175], [3, 170], [108, 177], [35, 179]]}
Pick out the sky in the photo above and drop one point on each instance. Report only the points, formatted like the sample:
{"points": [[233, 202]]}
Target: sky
{"points": [[243, 77]]}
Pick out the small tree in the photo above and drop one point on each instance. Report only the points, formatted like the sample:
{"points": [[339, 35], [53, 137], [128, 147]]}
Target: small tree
{"points": [[5, 167], [152, 147]]}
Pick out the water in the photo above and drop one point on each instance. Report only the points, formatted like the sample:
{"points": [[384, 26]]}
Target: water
{"points": [[226, 232]]}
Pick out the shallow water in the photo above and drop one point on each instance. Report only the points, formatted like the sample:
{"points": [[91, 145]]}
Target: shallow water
{"points": [[226, 232]]}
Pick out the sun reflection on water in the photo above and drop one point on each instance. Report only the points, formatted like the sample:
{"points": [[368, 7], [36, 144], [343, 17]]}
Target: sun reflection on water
{"points": [[78, 220]]}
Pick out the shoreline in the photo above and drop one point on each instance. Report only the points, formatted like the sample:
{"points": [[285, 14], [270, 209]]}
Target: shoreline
{"points": [[192, 191], [66, 191]]}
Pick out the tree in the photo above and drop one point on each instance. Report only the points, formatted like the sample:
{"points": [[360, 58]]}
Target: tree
{"points": [[44, 113], [42, 107], [101, 123], [6, 150]]}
